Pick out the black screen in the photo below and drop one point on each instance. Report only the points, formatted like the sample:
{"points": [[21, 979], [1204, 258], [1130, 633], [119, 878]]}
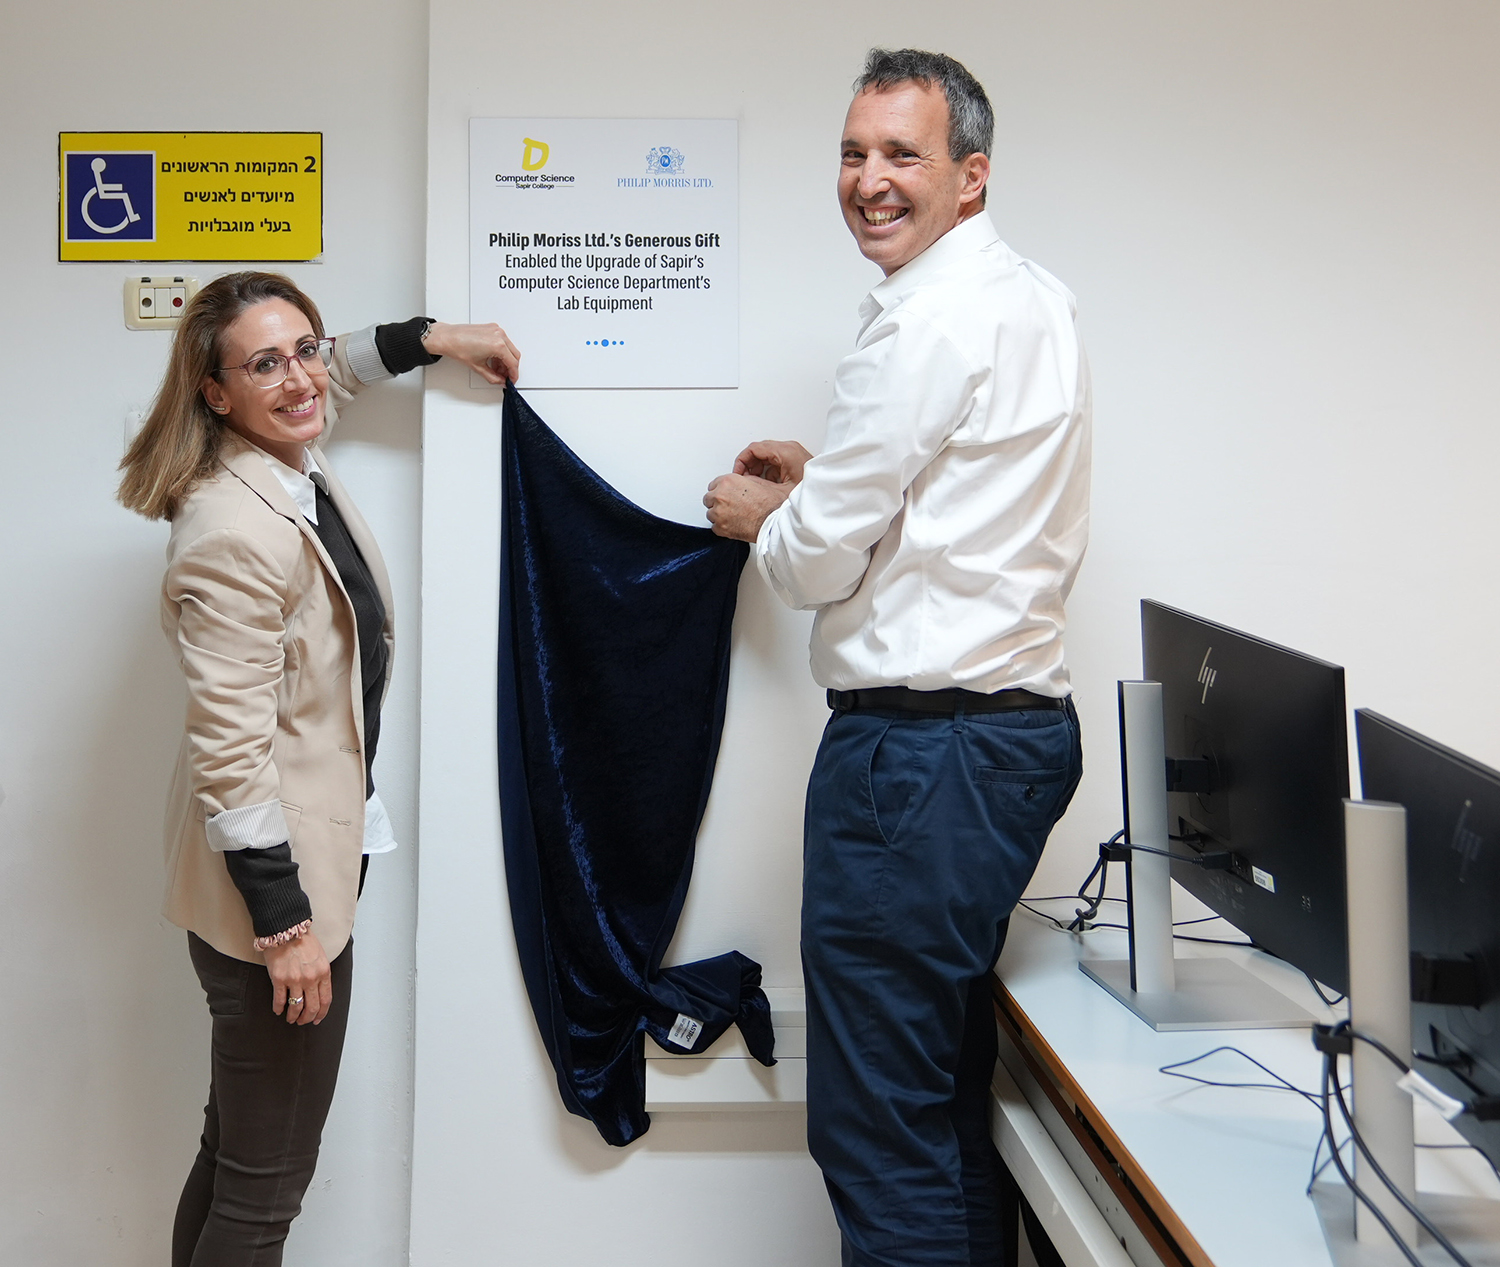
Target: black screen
{"points": [[1271, 724], [1453, 888]]}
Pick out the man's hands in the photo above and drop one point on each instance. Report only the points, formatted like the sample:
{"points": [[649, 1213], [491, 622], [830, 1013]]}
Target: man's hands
{"points": [[780, 461], [299, 971], [764, 475], [486, 349], [738, 504]]}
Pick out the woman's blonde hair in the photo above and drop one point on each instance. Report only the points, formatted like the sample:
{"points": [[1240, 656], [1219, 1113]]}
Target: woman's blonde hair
{"points": [[178, 446]]}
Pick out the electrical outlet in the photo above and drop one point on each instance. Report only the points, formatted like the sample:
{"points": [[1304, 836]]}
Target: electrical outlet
{"points": [[135, 418], [157, 303]]}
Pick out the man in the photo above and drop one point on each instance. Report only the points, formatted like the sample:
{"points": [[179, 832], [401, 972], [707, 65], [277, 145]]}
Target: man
{"points": [[936, 537]]}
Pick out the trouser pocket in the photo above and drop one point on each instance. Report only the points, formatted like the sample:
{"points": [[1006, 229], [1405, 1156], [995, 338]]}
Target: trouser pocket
{"points": [[225, 980]]}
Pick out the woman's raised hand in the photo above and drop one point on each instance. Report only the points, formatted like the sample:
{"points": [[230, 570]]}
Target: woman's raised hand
{"points": [[485, 349]]}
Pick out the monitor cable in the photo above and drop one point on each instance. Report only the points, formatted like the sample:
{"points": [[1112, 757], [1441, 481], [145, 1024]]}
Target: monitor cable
{"points": [[1114, 849], [1084, 916], [1318, 989], [1335, 1041], [1342, 1038], [1174, 1070]]}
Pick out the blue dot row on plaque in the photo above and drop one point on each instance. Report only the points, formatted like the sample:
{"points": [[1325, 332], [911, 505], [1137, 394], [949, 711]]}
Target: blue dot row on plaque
{"points": [[604, 343]]}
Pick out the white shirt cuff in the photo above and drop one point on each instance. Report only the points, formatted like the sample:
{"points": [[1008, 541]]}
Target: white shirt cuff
{"points": [[260, 826], [364, 356], [380, 837], [761, 551]]}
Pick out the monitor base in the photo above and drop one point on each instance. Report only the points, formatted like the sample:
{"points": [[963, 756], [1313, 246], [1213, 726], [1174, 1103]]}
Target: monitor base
{"points": [[1471, 1223], [1211, 994]]}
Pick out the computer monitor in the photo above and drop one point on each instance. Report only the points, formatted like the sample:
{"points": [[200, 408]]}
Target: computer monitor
{"points": [[1453, 891], [1258, 767]]}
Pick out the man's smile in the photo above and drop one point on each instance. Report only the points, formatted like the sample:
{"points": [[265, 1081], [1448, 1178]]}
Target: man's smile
{"points": [[883, 215]]}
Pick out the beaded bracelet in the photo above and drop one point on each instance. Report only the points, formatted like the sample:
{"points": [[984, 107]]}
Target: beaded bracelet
{"points": [[281, 938]]}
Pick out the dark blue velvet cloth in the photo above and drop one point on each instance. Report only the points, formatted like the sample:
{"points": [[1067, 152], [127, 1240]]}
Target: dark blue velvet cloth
{"points": [[614, 666]]}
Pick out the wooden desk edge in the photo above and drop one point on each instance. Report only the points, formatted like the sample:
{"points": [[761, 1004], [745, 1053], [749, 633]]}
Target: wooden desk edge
{"points": [[1166, 1232]]}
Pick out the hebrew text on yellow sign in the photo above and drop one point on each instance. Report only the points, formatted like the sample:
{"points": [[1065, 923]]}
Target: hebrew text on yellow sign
{"points": [[253, 196]]}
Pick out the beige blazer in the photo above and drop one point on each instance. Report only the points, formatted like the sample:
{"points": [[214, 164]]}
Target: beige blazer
{"points": [[266, 637]]}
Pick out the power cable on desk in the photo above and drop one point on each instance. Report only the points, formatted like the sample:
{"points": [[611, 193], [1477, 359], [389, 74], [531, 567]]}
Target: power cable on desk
{"points": [[1173, 1070], [1068, 897], [1318, 990], [1042, 915], [1432, 1148], [1321, 1101], [1281, 1084], [1082, 917], [1217, 941], [1331, 1040], [1025, 904], [1086, 919], [1337, 1159]]}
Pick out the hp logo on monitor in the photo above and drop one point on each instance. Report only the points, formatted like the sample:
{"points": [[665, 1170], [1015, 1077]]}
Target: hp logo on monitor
{"points": [[1207, 675]]}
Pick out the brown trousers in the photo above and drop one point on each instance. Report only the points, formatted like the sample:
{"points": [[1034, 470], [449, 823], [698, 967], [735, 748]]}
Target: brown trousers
{"points": [[269, 1093]]}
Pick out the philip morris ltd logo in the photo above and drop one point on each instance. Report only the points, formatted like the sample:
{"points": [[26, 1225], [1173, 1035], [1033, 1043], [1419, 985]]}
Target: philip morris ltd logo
{"points": [[1206, 675], [664, 160]]}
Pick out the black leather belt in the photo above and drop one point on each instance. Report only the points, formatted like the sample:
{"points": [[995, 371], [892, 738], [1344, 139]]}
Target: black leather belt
{"points": [[902, 699]]}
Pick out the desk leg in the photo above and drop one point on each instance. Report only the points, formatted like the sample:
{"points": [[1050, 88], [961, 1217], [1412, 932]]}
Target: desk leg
{"points": [[1015, 1214]]}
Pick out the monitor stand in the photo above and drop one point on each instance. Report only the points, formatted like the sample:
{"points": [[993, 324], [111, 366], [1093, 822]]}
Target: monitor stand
{"points": [[1165, 992], [1379, 1006]]}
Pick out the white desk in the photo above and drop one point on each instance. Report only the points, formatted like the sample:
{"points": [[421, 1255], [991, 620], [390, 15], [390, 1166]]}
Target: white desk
{"points": [[1209, 1177]]}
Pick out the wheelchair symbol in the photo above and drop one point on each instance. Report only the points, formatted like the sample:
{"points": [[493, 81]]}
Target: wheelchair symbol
{"points": [[106, 191]]}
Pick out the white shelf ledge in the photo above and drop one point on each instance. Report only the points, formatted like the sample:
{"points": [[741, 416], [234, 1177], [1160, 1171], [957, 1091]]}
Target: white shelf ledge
{"points": [[725, 1078]]}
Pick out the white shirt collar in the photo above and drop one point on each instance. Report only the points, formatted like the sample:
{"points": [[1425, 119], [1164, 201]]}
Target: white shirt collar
{"points": [[963, 239], [298, 484]]}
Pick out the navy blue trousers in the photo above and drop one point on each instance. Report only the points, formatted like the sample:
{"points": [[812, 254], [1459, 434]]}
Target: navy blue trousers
{"points": [[920, 836]]}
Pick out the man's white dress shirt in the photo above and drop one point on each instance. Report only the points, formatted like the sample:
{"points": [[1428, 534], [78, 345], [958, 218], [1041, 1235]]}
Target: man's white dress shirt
{"points": [[940, 530]]}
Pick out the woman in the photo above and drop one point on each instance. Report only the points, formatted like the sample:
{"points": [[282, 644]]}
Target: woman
{"points": [[278, 606]]}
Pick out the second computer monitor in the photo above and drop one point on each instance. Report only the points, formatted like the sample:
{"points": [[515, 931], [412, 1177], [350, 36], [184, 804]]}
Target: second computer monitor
{"points": [[1453, 887], [1258, 761]]}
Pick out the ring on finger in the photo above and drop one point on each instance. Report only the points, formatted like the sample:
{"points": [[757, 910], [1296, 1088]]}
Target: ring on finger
{"points": [[297, 1002]]}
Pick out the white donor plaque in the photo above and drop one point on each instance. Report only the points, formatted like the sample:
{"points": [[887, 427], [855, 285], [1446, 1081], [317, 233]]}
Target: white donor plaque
{"points": [[608, 248]]}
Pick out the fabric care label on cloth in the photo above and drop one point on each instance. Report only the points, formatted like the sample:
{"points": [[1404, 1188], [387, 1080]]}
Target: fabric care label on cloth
{"points": [[685, 1032], [608, 248]]}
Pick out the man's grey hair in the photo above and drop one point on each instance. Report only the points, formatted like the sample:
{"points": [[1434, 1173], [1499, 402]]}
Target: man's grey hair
{"points": [[971, 121]]}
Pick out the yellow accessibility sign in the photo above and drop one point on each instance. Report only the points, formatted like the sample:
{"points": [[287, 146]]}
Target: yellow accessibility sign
{"points": [[254, 196]]}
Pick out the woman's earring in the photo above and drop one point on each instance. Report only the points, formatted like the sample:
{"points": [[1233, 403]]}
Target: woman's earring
{"points": [[220, 409]]}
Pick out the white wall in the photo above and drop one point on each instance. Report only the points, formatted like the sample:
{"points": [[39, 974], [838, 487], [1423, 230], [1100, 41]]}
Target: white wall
{"points": [[104, 1037], [1279, 222]]}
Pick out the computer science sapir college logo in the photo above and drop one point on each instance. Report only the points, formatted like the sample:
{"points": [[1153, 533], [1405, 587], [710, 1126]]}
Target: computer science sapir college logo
{"points": [[535, 155], [664, 160]]}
